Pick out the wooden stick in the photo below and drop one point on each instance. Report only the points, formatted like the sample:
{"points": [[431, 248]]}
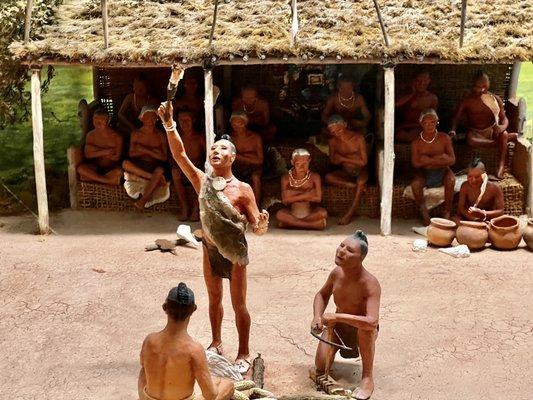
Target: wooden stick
{"points": [[388, 155], [294, 24], [463, 21], [208, 111], [104, 20], [27, 25], [380, 19], [72, 153], [38, 151], [214, 23]]}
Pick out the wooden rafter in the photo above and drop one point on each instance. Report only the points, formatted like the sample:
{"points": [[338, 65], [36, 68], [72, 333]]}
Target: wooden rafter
{"points": [[381, 24], [104, 21], [294, 22], [215, 11], [27, 26], [463, 21]]}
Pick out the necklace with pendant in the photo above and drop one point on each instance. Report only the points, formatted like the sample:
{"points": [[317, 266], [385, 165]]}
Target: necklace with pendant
{"points": [[350, 99], [220, 183], [296, 183], [428, 141]]}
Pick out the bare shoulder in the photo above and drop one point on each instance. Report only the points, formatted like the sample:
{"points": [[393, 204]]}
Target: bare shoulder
{"points": [[315, 176], [359, 99], [246, 190], [372, 283], [335, 273], [445, 138]]}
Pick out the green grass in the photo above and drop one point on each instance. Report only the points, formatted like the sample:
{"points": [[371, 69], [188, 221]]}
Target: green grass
{"points": [[61, 127], [525, 90]]}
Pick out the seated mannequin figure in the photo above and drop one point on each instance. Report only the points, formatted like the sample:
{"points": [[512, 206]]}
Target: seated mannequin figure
{"points": [[432, 155], [347, 151], [486, 120], [133, 103], [479, 199], [194, 143], [248, 165], [147, 157], [412, 104], [300, 188], [189, 99], [172, 361], [102, 150], [257, 110], [356, 293], [350, 105]]}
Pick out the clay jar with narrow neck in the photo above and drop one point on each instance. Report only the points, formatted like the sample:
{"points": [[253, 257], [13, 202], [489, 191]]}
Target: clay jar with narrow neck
{"points": [[473, 234], [504, 232], [441, 232], [528, 234]]}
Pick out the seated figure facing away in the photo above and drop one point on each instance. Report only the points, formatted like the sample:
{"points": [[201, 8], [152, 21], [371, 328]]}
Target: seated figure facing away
{"points": [[356, 293], [347, 151], [486, 120], [194, 143], [248, 165], [350, 105], [102, 150], [132, 105], [172, 361], [257, 110], [148, 155], [300, 188], [479, 199], [412, 104], [432, 155]]}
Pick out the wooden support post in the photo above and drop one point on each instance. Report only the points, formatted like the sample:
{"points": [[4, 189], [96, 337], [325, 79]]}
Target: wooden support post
{"points": [[104, 21], [73, 158], [381, 24], [463, 21], [294, 23], [27, 26], [388, 155], [208, 110], [38, 151], [513, 84]]}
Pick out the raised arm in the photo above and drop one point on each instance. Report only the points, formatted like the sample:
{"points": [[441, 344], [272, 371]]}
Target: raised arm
{"points": [[321, 302], [328, 109], [362, 123], [201, 373], [195, 175]]}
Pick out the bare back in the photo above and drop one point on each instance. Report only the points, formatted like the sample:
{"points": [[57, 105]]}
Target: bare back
{"points": [[168, 365]]}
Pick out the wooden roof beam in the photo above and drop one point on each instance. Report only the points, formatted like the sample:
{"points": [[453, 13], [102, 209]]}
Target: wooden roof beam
{"points": [[463, 21], [294, 22], [104, 21], [27, 25], [215, 11], [381, 24]]}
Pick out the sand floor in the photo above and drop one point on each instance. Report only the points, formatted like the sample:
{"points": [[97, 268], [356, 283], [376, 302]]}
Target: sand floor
{"points": [[450, 328]]}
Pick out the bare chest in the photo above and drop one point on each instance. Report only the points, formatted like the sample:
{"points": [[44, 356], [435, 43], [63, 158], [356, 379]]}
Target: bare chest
{"points": [[349, 298]]}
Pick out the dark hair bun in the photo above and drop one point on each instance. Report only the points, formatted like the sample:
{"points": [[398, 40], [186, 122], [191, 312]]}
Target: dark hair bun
{"points": [[359, 234], [226, 137]]}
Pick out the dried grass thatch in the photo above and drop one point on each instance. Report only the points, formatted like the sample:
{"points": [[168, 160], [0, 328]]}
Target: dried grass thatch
{"points": [[143, 31]]}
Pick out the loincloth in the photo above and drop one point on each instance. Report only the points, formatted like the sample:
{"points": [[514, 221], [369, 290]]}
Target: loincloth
{"points": [[434, 177], [148, 397], [352, 172], [348, 335], [220, 266], [487, 133]]}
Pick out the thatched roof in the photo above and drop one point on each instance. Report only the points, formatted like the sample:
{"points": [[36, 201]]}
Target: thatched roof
{"points": [[143, 31]]}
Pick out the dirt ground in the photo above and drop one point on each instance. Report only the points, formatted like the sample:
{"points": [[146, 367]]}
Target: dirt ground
{"points": [[450, 328]]}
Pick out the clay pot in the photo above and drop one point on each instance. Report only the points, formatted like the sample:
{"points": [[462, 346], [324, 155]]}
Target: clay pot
{"points": [[528, 233], [441, 232], [504, 232], [473, 234]]}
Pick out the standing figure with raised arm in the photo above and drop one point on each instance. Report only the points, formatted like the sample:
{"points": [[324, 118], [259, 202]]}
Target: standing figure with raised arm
{"points": [[227, 206]]}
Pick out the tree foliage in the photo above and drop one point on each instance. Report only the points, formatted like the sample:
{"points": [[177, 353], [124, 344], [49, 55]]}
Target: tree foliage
{"points": [[15, 98]]}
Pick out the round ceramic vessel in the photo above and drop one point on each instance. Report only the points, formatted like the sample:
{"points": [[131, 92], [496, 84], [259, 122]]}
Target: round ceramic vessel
{"points": [[504, 232], [441, 232], [473, 234], [528, 233]]}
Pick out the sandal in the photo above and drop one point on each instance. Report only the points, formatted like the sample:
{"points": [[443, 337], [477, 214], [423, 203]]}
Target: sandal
{"points": [[242, 365], [215, 349]]}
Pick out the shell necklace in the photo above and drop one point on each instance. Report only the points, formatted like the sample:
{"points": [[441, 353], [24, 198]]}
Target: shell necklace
{"points": [[350, 99], [220, 183], [428, 141], [249, 111], [296, 183]]}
